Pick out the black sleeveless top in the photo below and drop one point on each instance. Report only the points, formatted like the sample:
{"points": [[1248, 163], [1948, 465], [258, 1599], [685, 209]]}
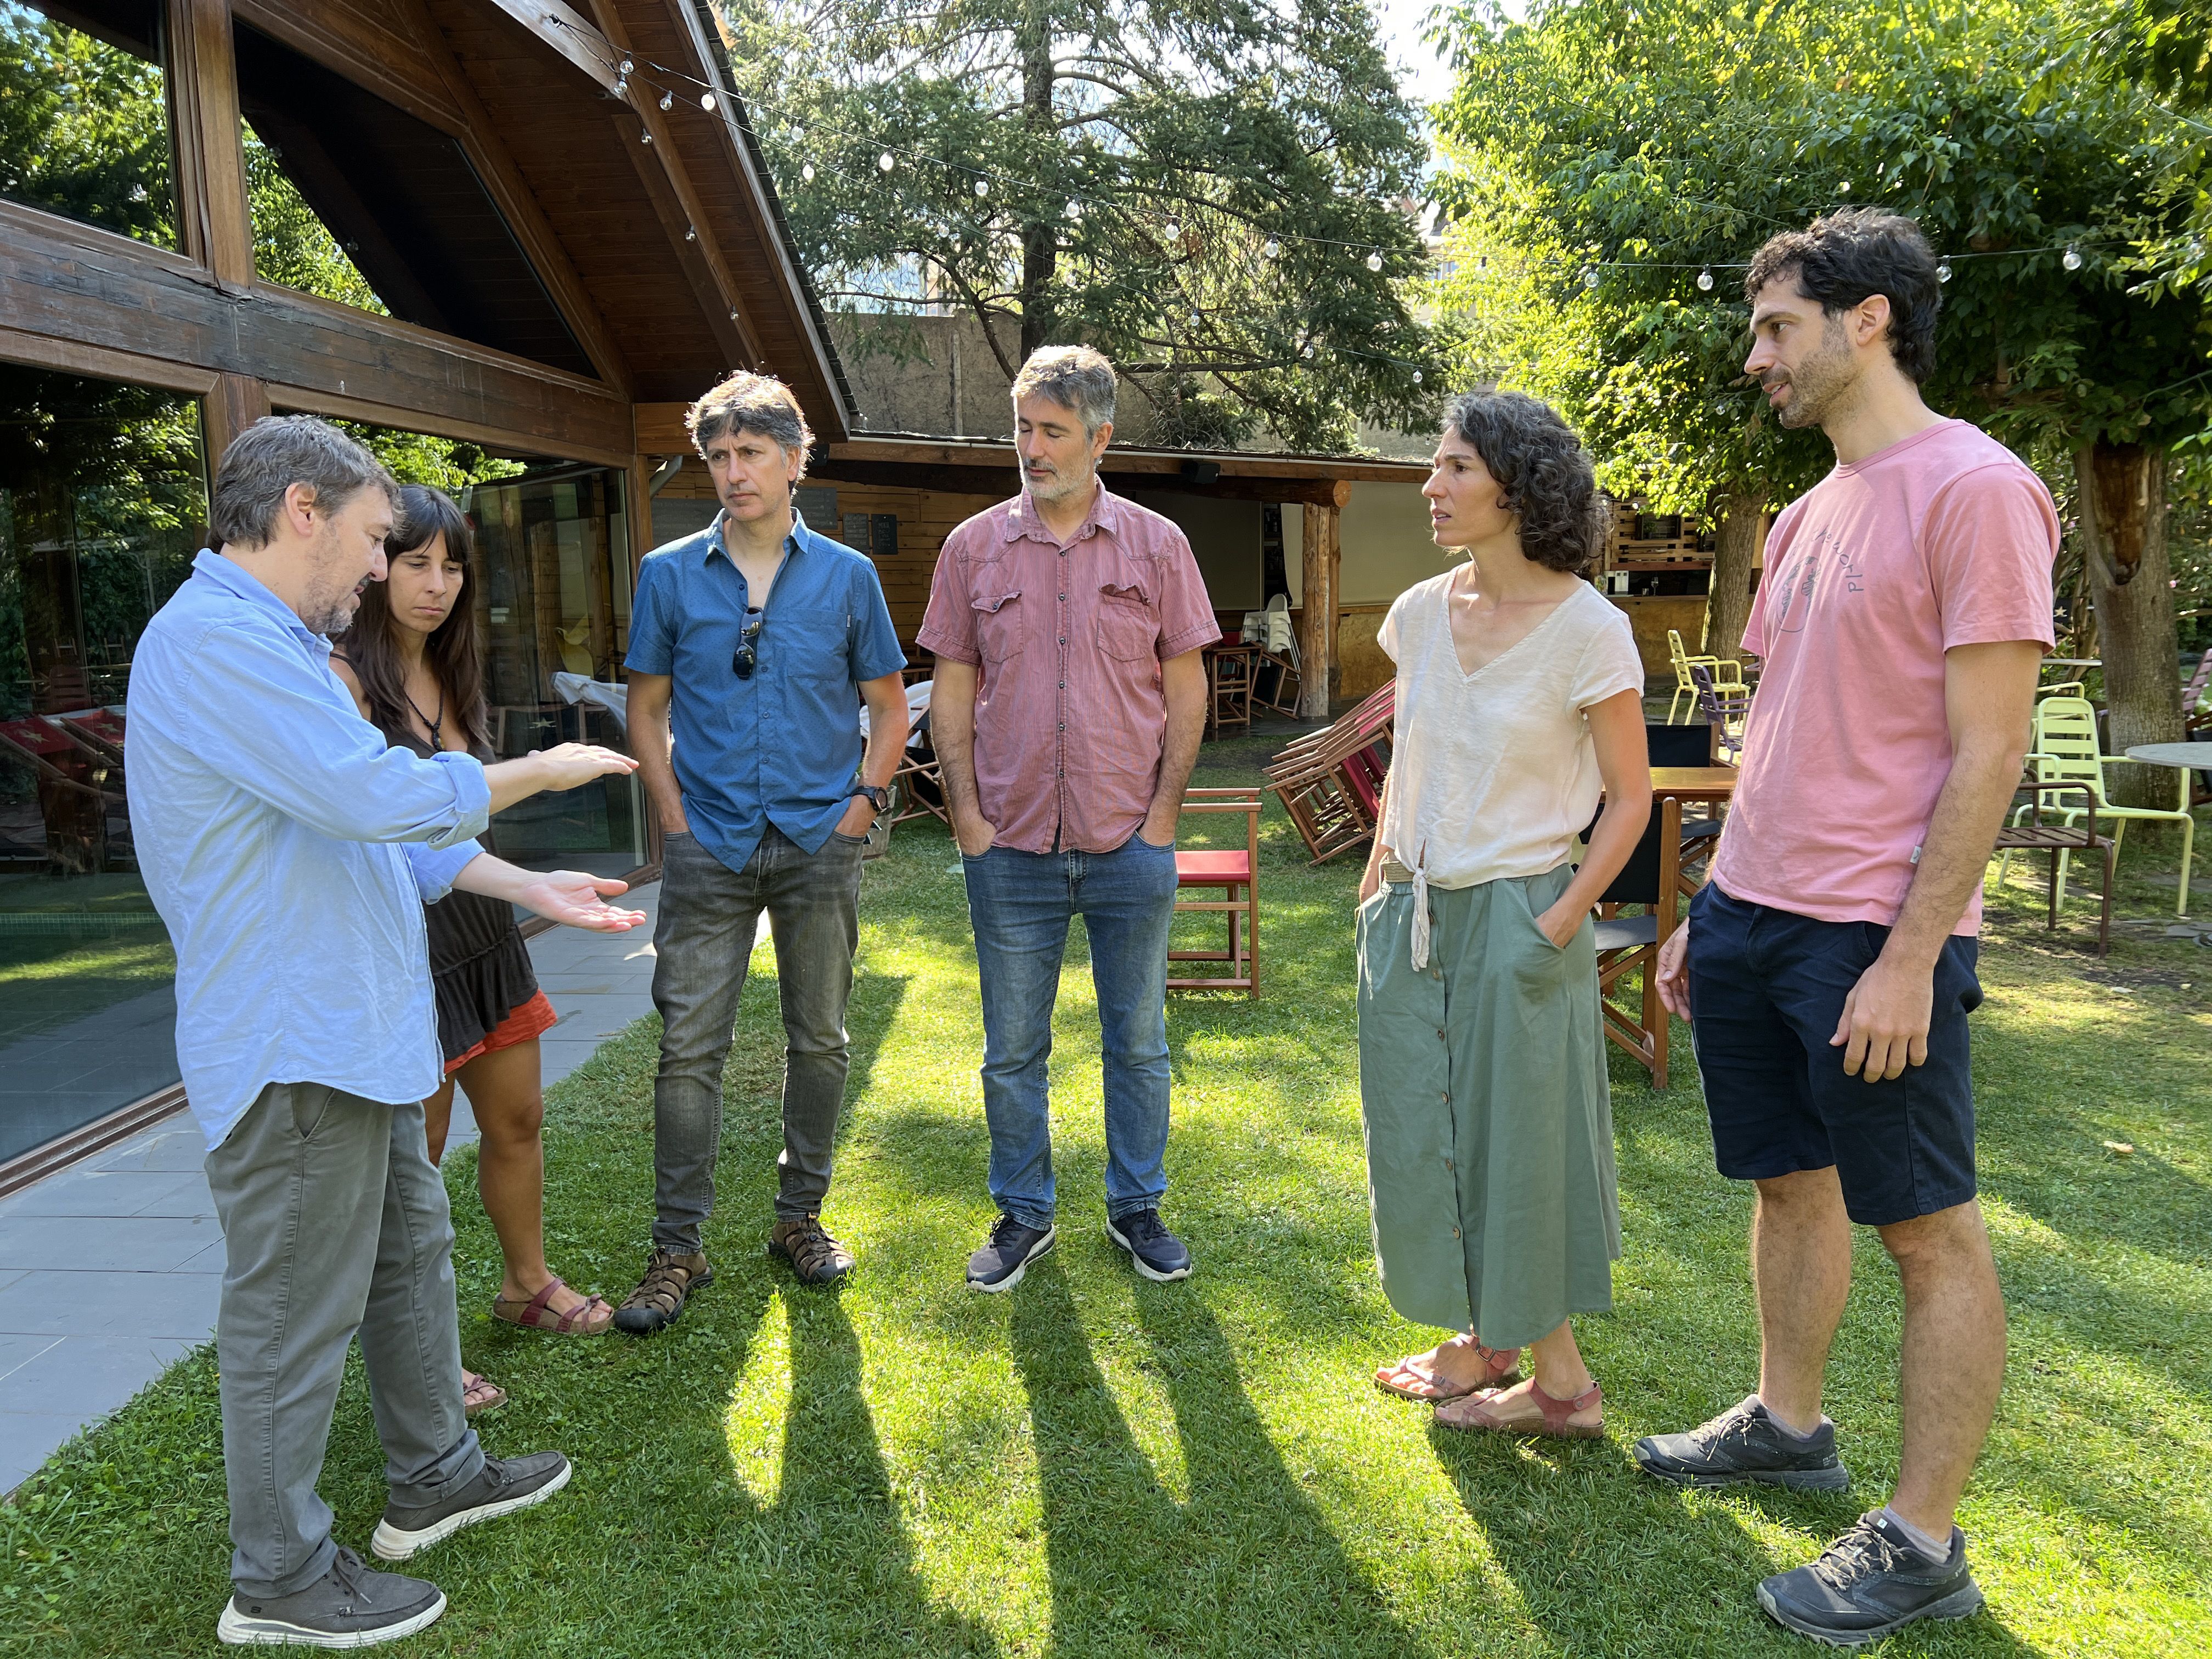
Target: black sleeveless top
{"points": [[480, 968]]}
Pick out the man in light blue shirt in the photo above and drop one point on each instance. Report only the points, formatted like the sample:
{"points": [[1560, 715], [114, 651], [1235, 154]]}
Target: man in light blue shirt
{"points": [[290, 852], [752, 646]]}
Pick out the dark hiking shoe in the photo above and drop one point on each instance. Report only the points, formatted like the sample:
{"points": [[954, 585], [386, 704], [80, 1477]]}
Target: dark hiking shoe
{"points": [[1745, 1443], [816, 1257], [504, 1486], [999, 1264], [658, 1298], [1159, 1255], [1873, 1580], [349, 1607]]}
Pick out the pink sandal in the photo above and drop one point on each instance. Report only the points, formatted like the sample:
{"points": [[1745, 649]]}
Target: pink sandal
{"points": [[1503, 1366], [1556, 1422], [592, 1316]]}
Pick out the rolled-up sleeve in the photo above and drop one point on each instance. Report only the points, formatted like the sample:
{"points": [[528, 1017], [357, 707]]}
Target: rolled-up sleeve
{"points": [[1186, 619], [435, 868]]}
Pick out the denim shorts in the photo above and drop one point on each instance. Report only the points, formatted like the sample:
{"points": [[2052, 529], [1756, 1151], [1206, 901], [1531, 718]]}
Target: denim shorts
{"points": [[1767, 992]]}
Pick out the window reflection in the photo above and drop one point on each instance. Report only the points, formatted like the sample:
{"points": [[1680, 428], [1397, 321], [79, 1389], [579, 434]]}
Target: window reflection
{"points": [[84, 114], [101, 508]]}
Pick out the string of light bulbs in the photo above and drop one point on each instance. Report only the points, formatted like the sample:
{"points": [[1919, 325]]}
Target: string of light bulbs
{"points": [[713, 101]]}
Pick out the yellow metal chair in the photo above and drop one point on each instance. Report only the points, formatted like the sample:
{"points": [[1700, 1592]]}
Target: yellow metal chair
{"points": [[2067, 751], [1727, 676]]}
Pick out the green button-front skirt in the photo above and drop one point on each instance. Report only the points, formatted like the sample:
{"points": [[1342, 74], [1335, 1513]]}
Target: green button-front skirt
{"points": [[1489, 1123]]}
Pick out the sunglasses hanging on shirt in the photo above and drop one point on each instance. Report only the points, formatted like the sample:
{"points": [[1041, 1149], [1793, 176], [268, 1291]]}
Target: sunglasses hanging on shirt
{"points": [[748, 654]]}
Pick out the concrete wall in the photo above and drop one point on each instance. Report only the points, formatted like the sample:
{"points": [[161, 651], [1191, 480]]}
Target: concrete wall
{"points": [[954, 388], [1225, 535], [1386, 546]]}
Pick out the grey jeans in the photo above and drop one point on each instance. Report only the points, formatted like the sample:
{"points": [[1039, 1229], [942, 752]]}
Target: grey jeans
{"points": [[703, 941], [334, 1222]]}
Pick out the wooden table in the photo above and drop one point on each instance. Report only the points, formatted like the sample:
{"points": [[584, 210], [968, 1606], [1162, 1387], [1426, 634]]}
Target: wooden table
{"points": [[1709, 784]]}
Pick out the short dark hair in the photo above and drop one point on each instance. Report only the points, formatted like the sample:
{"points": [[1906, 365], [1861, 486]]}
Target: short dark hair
{"points": [[1843, 258], [270, 457], [1543, 469], [752, 402]]}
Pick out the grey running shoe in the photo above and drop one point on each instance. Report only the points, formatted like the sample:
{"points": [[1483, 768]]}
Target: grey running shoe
{"points": [[1156, 1253], [1005, 1256], [504, 1486], [1745, 1443], [1872, 1581], [349, 1607]]}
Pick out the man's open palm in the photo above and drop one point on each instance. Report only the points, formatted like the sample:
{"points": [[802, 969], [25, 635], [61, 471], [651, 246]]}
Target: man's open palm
{"points": [[576, 900]]}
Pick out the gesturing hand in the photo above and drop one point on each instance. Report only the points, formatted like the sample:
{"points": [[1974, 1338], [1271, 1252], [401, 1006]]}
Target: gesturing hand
{"points": [[576, 900], [1885, 1021], [571, 764]]}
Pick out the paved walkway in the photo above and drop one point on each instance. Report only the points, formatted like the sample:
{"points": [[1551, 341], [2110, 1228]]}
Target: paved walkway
{"points": [[111, 1269]]}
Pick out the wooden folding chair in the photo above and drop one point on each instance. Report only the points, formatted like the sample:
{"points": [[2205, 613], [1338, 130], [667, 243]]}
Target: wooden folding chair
{"points": [[1627, 945], [2061, 841], [1235, 871], [1229, 691]]}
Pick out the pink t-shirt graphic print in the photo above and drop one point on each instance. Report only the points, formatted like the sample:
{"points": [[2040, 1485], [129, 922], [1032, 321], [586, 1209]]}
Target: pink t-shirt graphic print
{"points": [[1944, 539]]}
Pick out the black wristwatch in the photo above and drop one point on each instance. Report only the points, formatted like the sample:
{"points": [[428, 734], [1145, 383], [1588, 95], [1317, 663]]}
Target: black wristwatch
{"points": [[878, 797]]}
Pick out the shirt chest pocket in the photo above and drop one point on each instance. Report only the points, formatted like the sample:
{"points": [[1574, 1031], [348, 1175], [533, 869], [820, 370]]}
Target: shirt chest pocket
{"points": [[998, 613], [812, 642], [1126, 627]]}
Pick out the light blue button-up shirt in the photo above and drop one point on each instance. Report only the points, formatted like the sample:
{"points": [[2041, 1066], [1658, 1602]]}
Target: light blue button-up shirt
{"points": [[783, 747], [290, 850]]}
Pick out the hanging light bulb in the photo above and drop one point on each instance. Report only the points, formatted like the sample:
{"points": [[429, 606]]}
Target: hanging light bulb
{"points": [[690, 232], [806, 173], [1175, 230], [1375, 262], [982, 187], [667, 100], [2072, 258], [1271, 249], [622, 69], [885, 162], [622, 85], [1307, 353], [1943, 271], [734, 313], [1196, 319], [706, 102], [1074, 208], [645, 138], [1589, 276], [1417, 377], [1705, 282]]}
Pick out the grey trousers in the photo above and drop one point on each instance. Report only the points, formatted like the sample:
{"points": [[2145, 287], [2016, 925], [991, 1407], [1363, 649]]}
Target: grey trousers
{"points": [[333, 1222], [703, 942]]}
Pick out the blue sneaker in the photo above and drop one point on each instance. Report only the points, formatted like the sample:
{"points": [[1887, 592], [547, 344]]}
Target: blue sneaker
{"points": [[1005, 1256], [1871, 1581], [1158, 1253]]}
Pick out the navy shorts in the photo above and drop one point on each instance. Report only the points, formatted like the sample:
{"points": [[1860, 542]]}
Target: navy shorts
{"points": [[1766, 990]]}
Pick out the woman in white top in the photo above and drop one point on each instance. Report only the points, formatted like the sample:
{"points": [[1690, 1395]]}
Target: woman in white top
{"points": [[1481, 1052]]}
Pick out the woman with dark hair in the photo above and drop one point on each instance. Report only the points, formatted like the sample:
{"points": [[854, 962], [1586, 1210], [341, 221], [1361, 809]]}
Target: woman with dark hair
{"points": [[415, 666], [1482, 1071]]}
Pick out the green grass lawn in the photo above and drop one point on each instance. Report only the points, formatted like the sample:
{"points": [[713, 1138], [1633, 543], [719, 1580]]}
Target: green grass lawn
{"points": [[1091, 1465]]}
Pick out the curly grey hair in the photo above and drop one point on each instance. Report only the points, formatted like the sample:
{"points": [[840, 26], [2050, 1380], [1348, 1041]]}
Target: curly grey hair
{"points": [[1544, 470]]}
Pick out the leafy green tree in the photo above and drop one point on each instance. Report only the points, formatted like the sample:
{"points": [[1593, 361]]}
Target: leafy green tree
{"points": [[84, 128], [1214, 193], [1611, 151]]}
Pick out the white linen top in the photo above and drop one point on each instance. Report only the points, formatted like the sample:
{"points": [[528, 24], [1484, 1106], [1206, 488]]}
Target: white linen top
{"points": [[1494, 773]]}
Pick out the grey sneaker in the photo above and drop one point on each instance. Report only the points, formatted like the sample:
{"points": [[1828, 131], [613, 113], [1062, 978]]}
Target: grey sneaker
{"points": [[1745, 1443], [349, 1607], [1006, 1254], [1870, 1582], [504, 1486]]}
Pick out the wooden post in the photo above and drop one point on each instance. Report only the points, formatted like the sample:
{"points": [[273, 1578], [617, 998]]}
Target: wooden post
{"points": [[236, 403], [214, 225], [1320, 553]]}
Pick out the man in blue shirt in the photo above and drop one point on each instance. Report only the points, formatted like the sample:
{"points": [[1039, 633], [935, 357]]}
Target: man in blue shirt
{"points": [[290, 852], [754, 644]]}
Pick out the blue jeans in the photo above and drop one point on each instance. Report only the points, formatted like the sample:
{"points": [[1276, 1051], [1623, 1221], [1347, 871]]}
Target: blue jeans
{"points": [[1019, 904]]}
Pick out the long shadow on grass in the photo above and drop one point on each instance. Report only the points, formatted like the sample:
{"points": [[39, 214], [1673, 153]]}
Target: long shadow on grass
{"points": [[1247, 1567]]}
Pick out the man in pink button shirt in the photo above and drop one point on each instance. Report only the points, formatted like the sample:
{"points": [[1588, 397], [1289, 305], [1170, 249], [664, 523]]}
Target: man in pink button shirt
{"points": [[1828, 966], [1067, 712]]}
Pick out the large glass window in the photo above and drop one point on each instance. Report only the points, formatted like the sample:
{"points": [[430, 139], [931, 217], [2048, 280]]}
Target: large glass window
{"points": [[554, 606], [354, 198], [84, 114], [101, 508]]}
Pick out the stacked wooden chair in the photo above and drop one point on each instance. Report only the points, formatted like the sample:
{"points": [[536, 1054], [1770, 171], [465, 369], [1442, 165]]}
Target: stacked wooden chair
{"points": [[1330, 781]]}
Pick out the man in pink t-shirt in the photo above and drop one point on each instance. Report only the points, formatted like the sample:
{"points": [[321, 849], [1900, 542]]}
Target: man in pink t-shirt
{"points": [[1828, 966]]}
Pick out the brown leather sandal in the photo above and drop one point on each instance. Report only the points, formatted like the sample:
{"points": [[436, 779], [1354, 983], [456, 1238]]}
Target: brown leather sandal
{"points": [[1555, 1420], [816, 1257], [479, 1394], [1501, 1366], [589, 1318]]}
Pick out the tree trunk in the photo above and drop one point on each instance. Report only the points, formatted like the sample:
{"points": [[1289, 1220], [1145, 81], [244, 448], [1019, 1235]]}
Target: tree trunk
{"points": [[2123, 493], [1040, 242], [1727, 602]]}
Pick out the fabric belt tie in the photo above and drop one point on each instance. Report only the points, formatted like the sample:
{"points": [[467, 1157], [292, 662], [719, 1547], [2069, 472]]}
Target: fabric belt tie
{"points": [[1393, 871]]}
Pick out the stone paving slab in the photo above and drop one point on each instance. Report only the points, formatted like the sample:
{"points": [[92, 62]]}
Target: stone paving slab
{"points": [[112, 1269]]}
